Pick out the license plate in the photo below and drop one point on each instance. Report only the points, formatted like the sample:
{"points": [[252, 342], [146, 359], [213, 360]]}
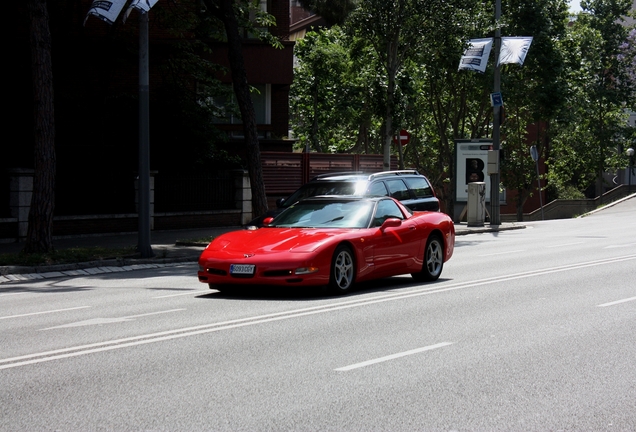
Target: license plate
{"points": [[243, 269]]}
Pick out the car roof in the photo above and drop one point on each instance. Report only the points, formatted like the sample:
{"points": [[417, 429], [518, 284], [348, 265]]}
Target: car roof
{"points": [[359, 175]]}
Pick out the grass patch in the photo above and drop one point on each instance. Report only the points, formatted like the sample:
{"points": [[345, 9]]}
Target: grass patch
{"points": [[66, 256]]}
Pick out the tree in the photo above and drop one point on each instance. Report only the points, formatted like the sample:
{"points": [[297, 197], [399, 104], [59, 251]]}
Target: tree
{"points": [[401, 33], [39, 232], [327, 96], [448, 104], [418, 87], [627, 56], [534, 93], [590, 131], [608, 80], [383, 25], [430, 98], [226, 12]]}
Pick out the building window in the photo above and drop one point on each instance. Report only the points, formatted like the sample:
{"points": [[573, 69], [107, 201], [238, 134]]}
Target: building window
{"points": [[262, 99], [226, 111]]}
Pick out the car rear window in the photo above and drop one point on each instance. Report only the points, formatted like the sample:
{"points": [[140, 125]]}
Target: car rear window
{"points": [[420, 187]]}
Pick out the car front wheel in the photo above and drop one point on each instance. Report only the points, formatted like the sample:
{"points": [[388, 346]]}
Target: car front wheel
{"points": [[433, 260], [342, 270]]}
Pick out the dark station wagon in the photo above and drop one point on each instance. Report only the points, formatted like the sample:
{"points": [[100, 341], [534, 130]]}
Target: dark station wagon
{"points": [[409, 187]]}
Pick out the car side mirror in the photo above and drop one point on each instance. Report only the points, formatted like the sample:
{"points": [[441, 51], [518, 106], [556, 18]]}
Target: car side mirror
{"points": [[268, 220], [391, 223]]}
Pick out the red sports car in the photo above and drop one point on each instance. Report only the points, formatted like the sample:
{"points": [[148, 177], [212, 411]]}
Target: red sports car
{"points": [[331, 241]]}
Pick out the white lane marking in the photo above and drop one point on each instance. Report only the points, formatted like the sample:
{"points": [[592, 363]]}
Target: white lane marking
{"points": [[44, 312], [392, 357], [182, 294], [98, 321], [278, 316], [12, 293], [628, 245], [156, 313], [503, 253], [617, 302], [565, 244]]}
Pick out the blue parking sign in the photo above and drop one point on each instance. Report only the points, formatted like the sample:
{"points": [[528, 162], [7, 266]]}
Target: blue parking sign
{"points": [[496, 100]]}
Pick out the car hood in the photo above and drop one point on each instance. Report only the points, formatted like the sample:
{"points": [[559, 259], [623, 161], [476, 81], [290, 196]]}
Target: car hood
{"points": [[272, 240]]}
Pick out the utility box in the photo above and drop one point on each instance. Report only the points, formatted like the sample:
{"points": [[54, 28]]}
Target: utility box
{"points": [[476, 208]]}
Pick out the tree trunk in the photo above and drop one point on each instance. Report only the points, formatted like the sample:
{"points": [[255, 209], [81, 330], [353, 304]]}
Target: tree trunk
{"points": [[519, 206], [225, 13], [39, 232], [391, 68]]}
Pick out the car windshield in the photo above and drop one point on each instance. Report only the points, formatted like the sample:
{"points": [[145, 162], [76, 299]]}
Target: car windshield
{"points": [[326, 214], [325, 188]]}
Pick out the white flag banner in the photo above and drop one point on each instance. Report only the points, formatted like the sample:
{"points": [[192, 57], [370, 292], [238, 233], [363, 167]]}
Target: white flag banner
{"points": [[106, 10], [140, 5], [476, 55], [514, 49]]}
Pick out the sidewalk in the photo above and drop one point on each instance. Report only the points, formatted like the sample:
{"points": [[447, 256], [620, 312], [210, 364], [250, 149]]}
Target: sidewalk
{"points": [[169, 247]]}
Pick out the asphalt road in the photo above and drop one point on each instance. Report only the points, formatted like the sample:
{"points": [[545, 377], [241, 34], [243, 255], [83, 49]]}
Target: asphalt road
{"points": [[531, 330]]}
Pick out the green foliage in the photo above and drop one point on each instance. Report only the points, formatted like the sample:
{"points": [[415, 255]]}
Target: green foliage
{"points": [[323, 96], [568, 192], [394, 65], [399, 33], [591, 128], [446, 103]]}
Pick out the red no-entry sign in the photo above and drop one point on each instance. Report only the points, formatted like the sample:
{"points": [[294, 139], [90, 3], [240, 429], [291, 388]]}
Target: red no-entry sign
{"points": [[405, 137]]}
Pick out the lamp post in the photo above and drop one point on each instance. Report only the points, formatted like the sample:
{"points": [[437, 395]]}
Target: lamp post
{"points": [[495, 205], [144, 246], [630, 173]]}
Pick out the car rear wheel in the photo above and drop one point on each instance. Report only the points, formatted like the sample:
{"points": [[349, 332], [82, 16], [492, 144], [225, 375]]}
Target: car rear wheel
{"points": [[433, 260], [342, 270]]}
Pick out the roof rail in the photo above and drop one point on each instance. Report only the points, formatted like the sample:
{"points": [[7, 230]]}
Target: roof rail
{"points": [[394, 173], [331, 174]]}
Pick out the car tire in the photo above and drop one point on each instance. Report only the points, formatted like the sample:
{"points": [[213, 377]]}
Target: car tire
{"points": [[433, 260], [342, 273]]}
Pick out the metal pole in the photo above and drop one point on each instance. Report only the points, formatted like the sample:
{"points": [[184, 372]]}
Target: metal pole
{"points": [[143, 246], [495, 218]]}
